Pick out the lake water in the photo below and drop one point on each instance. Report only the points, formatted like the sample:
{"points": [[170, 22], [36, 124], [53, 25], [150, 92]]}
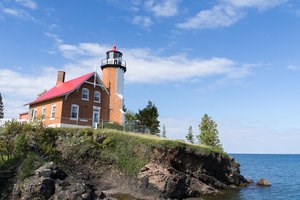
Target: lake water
{"points": [[283, 172]]}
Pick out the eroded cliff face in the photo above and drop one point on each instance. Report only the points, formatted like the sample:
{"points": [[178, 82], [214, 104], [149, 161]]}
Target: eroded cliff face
{"points": [[181, 173], [87, 168]]}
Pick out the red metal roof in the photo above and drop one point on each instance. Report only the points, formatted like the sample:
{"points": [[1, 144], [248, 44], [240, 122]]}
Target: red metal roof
{"points": [[63, 88]]}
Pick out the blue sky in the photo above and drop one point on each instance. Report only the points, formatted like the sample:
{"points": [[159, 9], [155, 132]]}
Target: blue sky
{"points": [[236, 60]]}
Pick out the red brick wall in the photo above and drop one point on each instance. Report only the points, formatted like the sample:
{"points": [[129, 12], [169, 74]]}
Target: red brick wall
{"points": [[48, 105], [109, 77], [63, 107]]}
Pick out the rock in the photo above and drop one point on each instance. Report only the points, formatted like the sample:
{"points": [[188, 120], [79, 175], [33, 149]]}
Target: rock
{"points": [[172, 183], [263, 182], [50, 181], [6, 174], [250, 181], [102, 195]]}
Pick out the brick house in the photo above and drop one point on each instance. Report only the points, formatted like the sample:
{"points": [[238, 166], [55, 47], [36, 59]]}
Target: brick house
{"points": [[84, 101]]}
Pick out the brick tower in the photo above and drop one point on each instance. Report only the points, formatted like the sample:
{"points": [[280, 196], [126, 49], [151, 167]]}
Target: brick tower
{"points": [[113, 69]]}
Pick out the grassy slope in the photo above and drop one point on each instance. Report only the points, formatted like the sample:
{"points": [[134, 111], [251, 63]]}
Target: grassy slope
{"points": [[128, 152]]}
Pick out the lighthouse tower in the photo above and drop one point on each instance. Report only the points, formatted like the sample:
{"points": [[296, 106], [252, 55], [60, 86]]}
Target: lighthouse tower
{"points": [[113, 69]]}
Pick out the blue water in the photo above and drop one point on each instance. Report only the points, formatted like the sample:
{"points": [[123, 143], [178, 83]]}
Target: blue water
{"points": [[283, 172]]}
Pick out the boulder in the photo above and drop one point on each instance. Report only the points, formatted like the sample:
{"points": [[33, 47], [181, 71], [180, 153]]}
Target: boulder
{"points": [[263, 182], [51, 182], [173, 183]]}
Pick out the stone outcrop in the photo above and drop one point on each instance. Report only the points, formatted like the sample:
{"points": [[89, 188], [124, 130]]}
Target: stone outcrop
{"points": [[182, 174], [263, 182], [171, 174], [51, 182]]}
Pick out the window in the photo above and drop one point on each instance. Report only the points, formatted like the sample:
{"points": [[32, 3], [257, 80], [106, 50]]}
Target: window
{"points": [[97, 96], [53, 110], [43, 113], [85, 94], [33, 114], [74, 111]]}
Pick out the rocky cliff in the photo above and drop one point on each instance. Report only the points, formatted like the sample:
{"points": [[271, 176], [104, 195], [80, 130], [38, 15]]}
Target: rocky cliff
{"points": [[88, 164]]}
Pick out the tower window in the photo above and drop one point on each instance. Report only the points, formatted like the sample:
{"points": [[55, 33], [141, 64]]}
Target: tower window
{"points": [[97, 96], [74, 111], [85, 94]]}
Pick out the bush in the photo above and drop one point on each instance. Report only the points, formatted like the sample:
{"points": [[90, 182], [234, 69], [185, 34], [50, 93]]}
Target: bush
{"points": [[112, 125]]}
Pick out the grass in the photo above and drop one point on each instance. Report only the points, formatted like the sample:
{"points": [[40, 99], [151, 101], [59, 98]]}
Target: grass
{"points": [[128, 152], [132, 151]]}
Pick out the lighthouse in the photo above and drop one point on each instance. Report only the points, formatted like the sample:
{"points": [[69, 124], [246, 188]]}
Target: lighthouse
{"points": [[113, 70]]}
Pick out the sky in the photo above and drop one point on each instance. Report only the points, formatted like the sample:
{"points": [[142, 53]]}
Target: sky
{"points": [[235, 60]]}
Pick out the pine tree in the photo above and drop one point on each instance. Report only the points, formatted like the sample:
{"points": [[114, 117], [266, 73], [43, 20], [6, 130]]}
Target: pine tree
{"points": [[148, 117], [164, 132], [1, 108], [209, 133], [190, 137]]}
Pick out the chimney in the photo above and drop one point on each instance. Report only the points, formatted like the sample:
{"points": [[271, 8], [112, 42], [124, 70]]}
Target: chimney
{"points": [[60, 77]]}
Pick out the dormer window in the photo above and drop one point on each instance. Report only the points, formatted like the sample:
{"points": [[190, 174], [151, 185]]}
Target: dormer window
{"points": [[85, 94], [97, 96]]}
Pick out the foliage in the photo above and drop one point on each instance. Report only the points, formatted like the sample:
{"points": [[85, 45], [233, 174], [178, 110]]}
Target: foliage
{"points": [[131, 122], [190, 136], [164, 132], [209, 133], [112, 125], [7, 137], [127, 152], [30, 163], [1, 108], [149, 117]]}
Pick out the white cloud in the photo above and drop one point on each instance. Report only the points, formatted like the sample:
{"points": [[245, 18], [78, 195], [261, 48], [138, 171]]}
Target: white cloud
{"points": [[163, 8], [145, 67], [11, 11], [226, 13], [142, 64], [293, 68], [259, 4], [19, 13], [218, 16], [27, 3], [144, 21]]}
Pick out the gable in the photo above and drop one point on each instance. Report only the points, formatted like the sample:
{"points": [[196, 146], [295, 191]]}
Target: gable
{"points": [[67, 87]]}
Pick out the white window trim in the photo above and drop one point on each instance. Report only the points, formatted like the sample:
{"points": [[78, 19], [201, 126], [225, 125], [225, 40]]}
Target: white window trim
{"points": [[33, 114], [75, 105], [51, 118], [97, 92], [43, 109], [88, 94], [99, 111]]}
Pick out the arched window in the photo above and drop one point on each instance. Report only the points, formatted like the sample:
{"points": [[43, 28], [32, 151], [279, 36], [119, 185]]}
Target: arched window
{"points": [[97, 96], [85, 94]]}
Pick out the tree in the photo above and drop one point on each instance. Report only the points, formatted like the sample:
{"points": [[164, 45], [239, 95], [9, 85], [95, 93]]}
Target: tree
{"points": [[164, 132], [149, 118], [190, 137], [131, 122], [1, 108], [209, 133]]}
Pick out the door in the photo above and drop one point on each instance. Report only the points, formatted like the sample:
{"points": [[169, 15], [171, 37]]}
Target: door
{"points": [[96, 116]]}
